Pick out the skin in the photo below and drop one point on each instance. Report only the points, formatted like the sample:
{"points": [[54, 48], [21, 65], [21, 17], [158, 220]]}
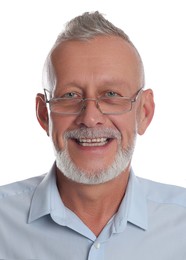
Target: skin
{"points": [[90, 69]]}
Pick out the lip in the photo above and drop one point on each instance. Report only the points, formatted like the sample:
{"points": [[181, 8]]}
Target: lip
{"points": [[93, 142], [92, 145]]}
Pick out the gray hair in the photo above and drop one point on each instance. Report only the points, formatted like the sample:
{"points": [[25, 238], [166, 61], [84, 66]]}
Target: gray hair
{"points": [[88, 26], [82, 28]]}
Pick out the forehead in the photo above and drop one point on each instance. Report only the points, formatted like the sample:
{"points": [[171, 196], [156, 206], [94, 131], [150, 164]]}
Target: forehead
{"points": [[103, 58]]}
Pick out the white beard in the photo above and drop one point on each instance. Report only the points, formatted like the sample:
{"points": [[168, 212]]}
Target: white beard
{"points": [[96, 176]]}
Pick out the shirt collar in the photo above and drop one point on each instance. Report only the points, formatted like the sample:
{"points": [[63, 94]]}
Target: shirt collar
{"points": [[46, 200], [133, 208]]}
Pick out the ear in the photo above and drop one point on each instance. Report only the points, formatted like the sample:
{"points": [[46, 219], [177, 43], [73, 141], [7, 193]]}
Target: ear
{"points": [[146, 111], [42, 112]]}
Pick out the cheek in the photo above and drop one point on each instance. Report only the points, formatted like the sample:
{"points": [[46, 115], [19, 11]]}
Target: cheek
{"points": [[58, 125], [127, 126]]}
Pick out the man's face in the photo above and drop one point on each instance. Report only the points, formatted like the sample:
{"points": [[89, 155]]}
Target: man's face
{"points": [[91, 69]]}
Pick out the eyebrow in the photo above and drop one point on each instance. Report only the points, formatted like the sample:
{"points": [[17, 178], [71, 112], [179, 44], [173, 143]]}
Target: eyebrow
{"points": [[107, 82]]}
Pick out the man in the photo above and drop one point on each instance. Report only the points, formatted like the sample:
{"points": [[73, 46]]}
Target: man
{"points": [[90, 205]]}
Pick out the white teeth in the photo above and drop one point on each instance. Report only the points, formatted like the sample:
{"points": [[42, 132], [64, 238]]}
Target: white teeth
{"points": [[93, 142]]}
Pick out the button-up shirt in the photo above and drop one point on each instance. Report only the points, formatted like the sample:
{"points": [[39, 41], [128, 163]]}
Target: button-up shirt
{"points": [[35, 224]]}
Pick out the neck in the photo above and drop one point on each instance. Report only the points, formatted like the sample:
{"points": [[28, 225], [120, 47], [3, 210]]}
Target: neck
{"points": [[93, 204]]}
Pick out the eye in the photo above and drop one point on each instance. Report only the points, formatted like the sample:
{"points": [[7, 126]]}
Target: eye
{"points": [[111, 94], [71, 95]]}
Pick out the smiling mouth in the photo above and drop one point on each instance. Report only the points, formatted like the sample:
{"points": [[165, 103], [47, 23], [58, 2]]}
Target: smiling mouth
{"points": [[93, 141]]}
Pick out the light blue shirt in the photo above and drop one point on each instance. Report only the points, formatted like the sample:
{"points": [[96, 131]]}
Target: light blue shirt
{"points": [[149, 225]]}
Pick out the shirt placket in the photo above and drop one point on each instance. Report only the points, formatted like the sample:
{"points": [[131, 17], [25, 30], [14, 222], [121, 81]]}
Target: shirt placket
{"points": [[96, 251]]}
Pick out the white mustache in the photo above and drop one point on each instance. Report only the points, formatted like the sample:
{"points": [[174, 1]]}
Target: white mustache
{"points": [[92, 133]]}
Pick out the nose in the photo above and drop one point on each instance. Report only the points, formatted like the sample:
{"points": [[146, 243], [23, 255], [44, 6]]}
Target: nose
{"points": [[90, 116]]}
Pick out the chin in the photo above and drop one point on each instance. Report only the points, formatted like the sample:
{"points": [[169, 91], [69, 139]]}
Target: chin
{"points": [[93, 176]]}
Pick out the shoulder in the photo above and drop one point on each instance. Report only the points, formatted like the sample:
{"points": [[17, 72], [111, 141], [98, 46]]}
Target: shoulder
{"points": [[20, 188], [163, 193]]}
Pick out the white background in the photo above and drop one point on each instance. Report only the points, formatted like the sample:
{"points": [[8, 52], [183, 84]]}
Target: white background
{"points": [[27, 31]]}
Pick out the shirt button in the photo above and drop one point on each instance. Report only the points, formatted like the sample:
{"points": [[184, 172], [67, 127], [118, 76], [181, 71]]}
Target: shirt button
{"points": [[97, 245]]}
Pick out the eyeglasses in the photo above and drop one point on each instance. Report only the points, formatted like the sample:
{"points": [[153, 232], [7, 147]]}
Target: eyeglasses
{"points": [[113, 105]]}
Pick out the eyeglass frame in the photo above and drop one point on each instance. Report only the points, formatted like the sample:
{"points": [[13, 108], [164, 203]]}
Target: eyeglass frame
{"points": [[132, 100]]}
